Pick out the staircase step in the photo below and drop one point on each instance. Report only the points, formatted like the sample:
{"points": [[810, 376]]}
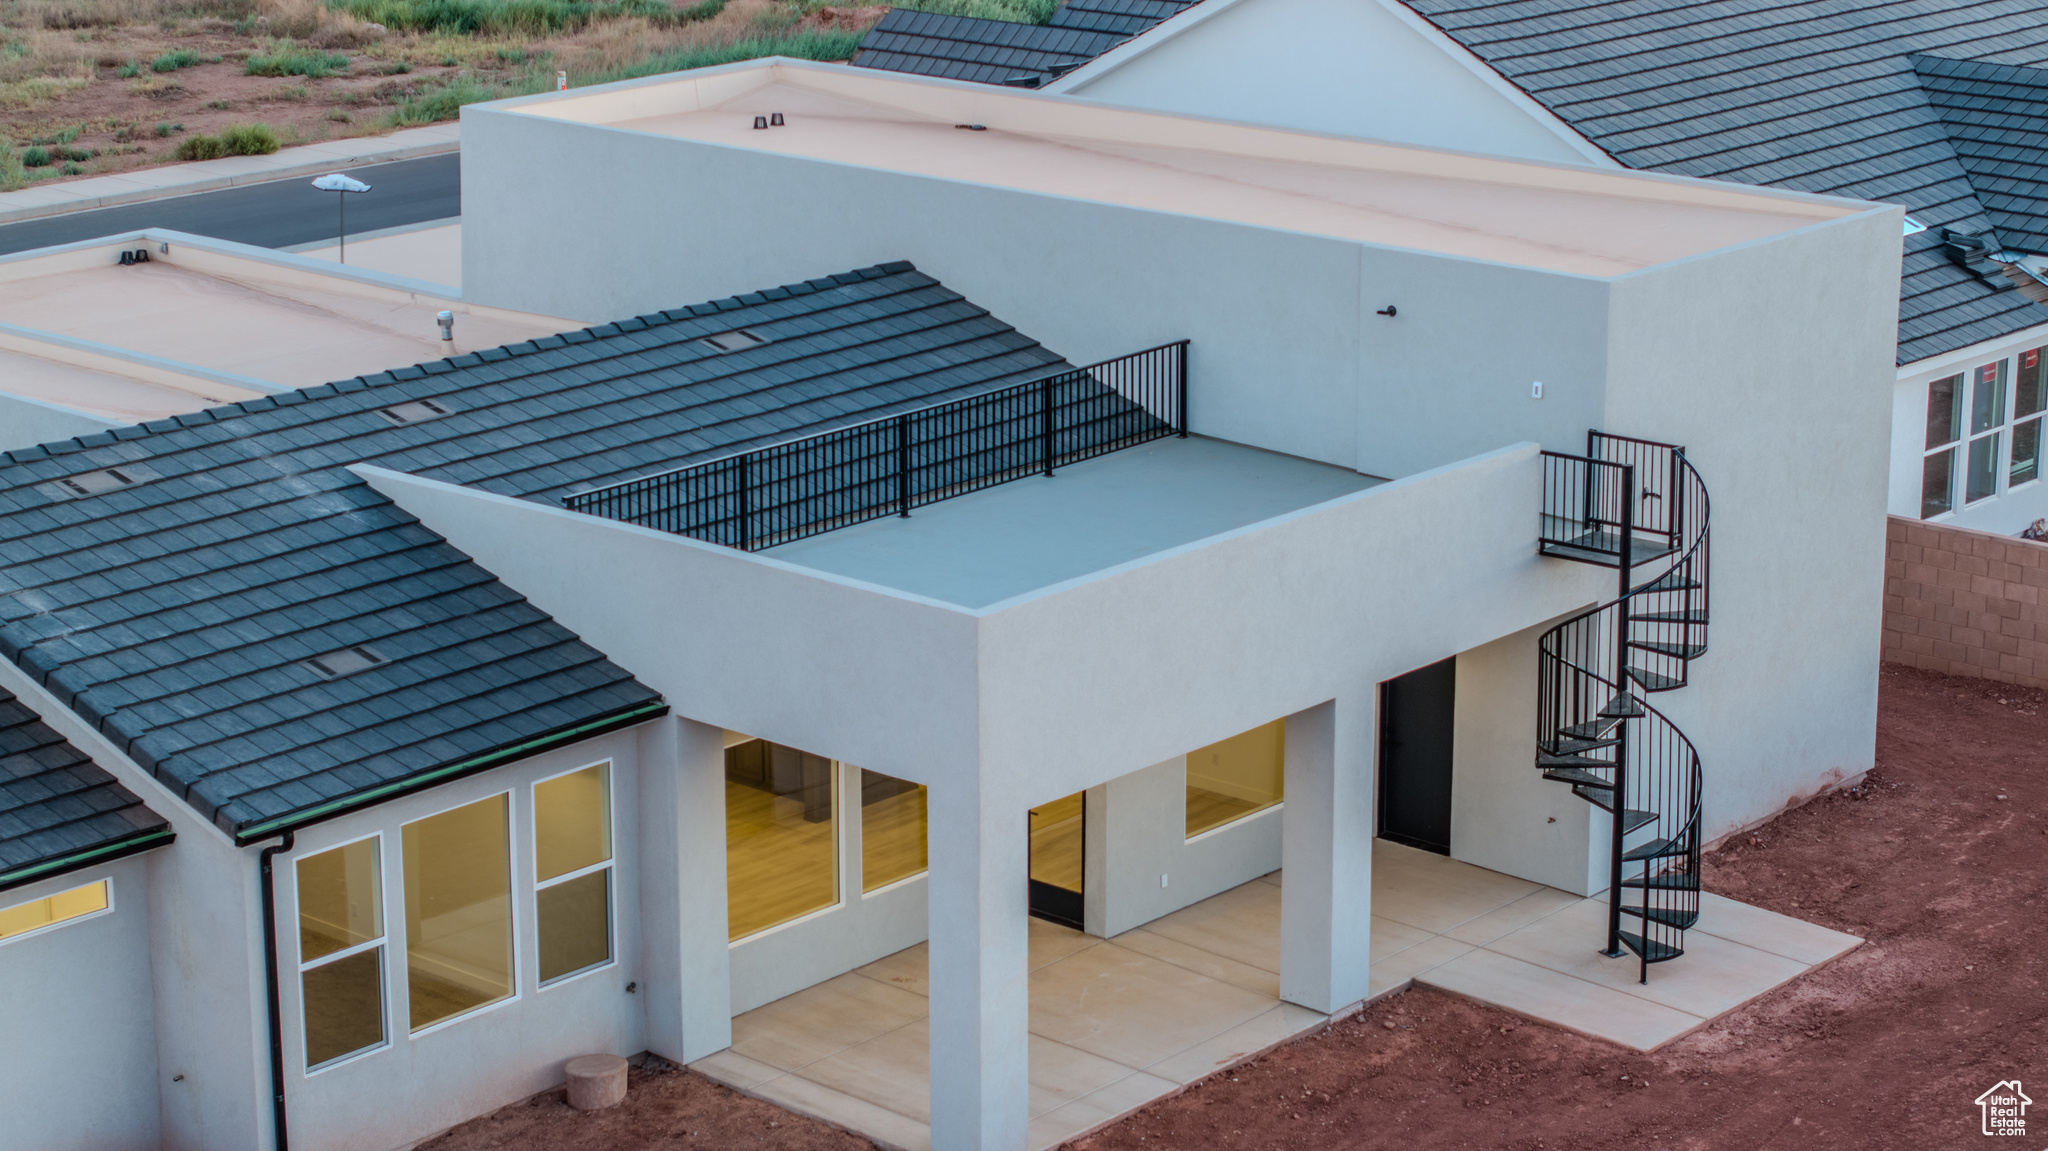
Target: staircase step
{"points": [[1592, 729], [1581, 555], [1679, 881], [1623, 706], [1544, 759], [1577, 776], [1604, 800], [1672, 582], [1651, 681], [1695, 616], [1668, 916], [1674, 650], [1651, 950], [1655, 849], [1573, 746]]}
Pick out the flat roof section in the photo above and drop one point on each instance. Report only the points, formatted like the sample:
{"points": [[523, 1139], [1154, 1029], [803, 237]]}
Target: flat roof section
{"points": [[1587, 221], [1001, 542], [120, 399]]}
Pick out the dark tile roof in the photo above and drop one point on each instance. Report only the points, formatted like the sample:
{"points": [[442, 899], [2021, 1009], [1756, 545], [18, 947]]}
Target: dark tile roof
{"points": [[1996, 116], [1004, 52], [1812, 95], [58, 809], [175, 614]]}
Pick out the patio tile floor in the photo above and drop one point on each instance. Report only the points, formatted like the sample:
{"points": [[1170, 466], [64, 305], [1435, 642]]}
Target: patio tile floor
{"points": [[1118, 1023]]}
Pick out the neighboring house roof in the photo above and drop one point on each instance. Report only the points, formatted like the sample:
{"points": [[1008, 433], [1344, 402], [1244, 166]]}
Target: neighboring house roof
{"points": [[58, 810], [1830, 96], [1005, 52], [178, 613]]}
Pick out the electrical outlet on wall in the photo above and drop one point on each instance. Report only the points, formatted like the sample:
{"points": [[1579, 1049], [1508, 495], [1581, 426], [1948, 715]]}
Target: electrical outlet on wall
{"points": [[1162, 880], [1536, 390]]}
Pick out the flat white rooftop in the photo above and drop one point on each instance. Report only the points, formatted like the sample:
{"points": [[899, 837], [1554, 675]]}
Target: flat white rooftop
{"points": [[1565, 218], [980, 549], [205, 322]]}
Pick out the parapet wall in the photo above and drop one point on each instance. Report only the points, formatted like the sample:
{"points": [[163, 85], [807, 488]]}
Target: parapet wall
{"points": [[1966, 602]]}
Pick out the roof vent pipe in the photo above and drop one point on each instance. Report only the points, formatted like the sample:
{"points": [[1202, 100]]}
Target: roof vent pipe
{"points": [[761, 122], [447, 322], [775, 120]]}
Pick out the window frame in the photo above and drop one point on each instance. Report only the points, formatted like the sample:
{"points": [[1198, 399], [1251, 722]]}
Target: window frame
{"points": [[308, 1069], [106, 882], [852, 780], [1959, 449], [2038, 417], [611, 860], [512, 911]]}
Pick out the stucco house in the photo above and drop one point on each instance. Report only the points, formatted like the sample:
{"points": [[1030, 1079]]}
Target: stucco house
{"points": [[1937, 107], [1112, 513]]}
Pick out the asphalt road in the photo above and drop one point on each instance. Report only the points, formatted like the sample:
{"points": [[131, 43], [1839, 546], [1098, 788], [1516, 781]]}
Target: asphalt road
{"points": [[274, 214]]}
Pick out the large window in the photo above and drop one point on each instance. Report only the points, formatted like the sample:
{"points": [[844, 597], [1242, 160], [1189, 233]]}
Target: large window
{"points": [[572, 850], [458, 911], [1235, 778], [37, 914], [892, 841], [341, 950], [781, 847], [1983, 432]]}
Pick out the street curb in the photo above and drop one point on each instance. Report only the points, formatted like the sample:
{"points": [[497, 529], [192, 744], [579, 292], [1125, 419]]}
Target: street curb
{"points": [[211, 175]]}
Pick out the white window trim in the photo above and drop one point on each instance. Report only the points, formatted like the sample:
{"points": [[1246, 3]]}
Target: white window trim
{"points": [[512, 854], [609, 862], [309, 1069], [45, 929], [1959, 474], [1240, 820]]}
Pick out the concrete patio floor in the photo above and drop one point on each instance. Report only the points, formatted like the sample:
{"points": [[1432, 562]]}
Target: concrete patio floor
{"points": [[1118, 1023]]}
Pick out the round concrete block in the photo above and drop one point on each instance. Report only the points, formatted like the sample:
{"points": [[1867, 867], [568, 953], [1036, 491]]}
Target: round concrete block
{"points": [[596, 1082]]}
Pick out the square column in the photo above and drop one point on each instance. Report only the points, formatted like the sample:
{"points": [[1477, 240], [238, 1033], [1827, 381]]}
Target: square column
{"points": [[979, 969], [686, 972], [1326, 848]]}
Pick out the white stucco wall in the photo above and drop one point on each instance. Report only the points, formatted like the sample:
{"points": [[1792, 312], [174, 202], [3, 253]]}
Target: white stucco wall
{"points": [[78, 1067], [1348, 67], [498, 1054], [24, 423], [1772, 364], [1137, 835]]}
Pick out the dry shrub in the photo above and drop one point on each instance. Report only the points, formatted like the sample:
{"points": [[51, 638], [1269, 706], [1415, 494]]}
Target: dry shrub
{"points": [[313, 22]]}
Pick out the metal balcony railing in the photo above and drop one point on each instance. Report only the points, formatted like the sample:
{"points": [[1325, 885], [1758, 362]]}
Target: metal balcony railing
{"points": [[788, 491]]}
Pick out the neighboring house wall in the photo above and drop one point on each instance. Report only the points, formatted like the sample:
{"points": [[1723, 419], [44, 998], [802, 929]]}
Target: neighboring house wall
{"points": [[498, 1054], [78, 1069], [1347, 67], [2014, 506], [1966, 602]]}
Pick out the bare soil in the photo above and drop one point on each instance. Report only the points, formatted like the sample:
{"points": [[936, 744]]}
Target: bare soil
{"points": [[1939, 859]]}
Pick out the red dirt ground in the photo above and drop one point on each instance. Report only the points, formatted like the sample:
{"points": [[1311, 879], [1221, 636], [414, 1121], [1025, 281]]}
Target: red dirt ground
{"points": [[1939, 860]]}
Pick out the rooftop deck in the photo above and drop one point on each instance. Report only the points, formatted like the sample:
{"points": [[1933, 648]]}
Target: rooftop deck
{"points": [[992, 545], [1581, 220]]}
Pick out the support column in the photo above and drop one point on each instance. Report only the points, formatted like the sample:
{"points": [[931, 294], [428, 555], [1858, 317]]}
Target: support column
{"points": [[1326, 892], [980, 947], [686, 968]]}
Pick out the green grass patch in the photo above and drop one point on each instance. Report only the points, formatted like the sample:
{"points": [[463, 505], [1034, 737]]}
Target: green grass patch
{"points": [[172, 61], [285, 58], [826, 45], [128, 71], [1015, 11], [236, 140], [514, 17], [35, 157]]}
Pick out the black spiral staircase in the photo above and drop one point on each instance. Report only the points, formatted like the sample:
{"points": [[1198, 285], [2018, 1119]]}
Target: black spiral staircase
{"points": [[1635, 506]]}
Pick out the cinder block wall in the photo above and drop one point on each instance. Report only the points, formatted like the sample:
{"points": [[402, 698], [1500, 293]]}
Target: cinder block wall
{"points": [[1966, 602]]}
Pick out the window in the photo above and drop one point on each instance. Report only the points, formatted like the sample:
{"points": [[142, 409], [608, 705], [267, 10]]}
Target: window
{"points": [[1944, 428], [458, 910], [1235, 778], [781, 850], [1987, 423], [892, 845], [341, 950], [572, 852], [2029, 398], [37, 914]]}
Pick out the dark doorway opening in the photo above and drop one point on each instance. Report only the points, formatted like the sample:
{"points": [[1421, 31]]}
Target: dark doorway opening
{"points": [[1416, 715], [1058, 862]]}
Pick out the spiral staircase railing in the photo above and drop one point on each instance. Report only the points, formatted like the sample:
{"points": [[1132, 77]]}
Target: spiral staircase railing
{"points": [[1631, 505]]}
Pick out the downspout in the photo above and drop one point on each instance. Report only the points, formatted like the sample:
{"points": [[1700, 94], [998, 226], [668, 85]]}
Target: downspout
{"points": [[265, 871]]}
